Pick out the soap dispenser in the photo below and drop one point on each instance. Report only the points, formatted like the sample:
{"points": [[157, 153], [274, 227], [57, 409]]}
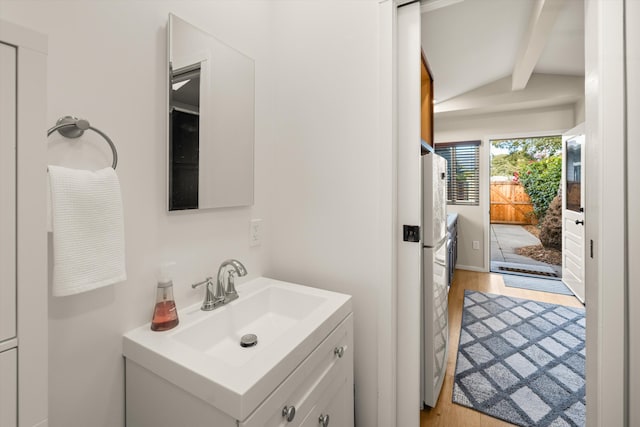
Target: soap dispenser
{"points": [[165, 315]]}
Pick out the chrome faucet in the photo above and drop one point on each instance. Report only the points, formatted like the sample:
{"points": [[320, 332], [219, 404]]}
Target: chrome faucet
{"points": [[230, 292], [214, 298]]}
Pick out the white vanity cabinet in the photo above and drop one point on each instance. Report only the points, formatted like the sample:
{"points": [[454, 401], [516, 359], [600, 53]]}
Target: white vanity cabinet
{"points": [[334, 408], [322, 384], [323, 372]]}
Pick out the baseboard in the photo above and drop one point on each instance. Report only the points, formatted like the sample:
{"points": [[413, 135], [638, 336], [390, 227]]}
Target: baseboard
{"points": [[471, 268]]}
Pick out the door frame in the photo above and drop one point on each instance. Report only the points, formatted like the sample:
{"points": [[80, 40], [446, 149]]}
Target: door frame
{"points": [[387, 295], [632, 16], [485, 170], [605, 121], [31, 243], [606, 269]]}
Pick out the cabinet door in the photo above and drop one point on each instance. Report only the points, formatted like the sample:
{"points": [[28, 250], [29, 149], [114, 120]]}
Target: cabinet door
{"points": [[7, 192], [310, 381], [8, 388], [323, 398], [334, 409]]}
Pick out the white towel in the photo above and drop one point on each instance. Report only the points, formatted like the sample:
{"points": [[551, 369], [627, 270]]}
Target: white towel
{"points": [[88, 230]]}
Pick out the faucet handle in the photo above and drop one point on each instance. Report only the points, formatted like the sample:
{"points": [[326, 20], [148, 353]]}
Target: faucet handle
{"points": [[205, 281], [212, 298]]}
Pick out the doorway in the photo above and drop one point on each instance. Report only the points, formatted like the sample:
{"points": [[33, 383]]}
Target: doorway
{"points": [[525, 220]]}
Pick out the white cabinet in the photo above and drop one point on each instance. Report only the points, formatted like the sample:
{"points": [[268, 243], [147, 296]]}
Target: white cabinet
{"points": [[335, 406], [8, 388], [321, 384], [331, 361]]}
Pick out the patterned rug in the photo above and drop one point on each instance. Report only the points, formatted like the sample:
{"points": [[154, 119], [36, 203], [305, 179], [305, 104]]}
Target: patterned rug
{"points": [[522, 361]]}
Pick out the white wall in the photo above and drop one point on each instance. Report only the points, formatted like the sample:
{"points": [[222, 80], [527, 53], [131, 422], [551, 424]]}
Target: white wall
{"points": [[471, 221], [107, 63], [324, 203]]}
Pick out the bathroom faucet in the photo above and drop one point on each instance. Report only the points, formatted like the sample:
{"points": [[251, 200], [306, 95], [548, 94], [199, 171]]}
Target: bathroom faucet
{"points": [[230, 290], [212, 298]]}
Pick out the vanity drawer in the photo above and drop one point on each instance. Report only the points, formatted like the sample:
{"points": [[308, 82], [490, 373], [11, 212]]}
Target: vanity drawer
{"points": [[309, 381], [334, 407]]}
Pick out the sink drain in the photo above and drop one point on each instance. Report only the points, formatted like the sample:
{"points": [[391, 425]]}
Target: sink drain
{"points": [[248, 340]]}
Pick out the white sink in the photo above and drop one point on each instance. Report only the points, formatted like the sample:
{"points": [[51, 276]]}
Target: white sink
{"points": [[268, 313], [203, 356]]}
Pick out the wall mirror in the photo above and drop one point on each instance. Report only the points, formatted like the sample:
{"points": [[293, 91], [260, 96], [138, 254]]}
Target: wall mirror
{"points": [[211, 121]]}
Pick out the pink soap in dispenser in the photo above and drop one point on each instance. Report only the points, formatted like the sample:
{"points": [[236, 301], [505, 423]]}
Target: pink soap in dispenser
{"points": [[165, 315]]}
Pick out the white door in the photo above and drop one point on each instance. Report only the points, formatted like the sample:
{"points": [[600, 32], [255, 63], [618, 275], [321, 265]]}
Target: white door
{"points": [[573, 193], [409, 213]]}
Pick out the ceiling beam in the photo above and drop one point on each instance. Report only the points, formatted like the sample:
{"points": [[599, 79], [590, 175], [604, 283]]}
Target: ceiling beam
{"points": [[543, 90], [543, 18]]}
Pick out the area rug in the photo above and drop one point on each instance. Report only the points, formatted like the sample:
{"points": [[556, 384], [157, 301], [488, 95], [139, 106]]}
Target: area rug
{"points": [[554, 286], [521, 361]]}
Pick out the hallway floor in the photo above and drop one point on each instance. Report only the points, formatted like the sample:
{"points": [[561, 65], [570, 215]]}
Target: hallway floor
{"points": [[446, 413]]}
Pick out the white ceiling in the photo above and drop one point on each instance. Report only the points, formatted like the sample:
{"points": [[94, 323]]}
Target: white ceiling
{"points": [[564, 52], [472, 43]]}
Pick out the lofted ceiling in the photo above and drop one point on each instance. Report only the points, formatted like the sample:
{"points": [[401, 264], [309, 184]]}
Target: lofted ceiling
{"points": [[473, 44], [564, 51]]}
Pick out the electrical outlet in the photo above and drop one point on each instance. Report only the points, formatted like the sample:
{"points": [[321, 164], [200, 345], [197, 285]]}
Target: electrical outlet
{"points": [[255, 232], [476, 244]]}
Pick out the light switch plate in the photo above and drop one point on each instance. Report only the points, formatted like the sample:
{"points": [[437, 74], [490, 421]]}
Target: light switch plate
{"points": [[476, 244], [255, 232]]}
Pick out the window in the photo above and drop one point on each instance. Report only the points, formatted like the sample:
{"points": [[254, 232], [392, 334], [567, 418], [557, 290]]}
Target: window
{"points": [[463, 171]]}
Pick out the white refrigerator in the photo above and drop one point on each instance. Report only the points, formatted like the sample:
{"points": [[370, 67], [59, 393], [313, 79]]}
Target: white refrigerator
{"points": [[435, 316]]}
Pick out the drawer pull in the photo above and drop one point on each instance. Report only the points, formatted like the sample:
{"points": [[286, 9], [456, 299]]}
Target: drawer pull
{"points": [[339, 351], [324, 420], [289, 413]]}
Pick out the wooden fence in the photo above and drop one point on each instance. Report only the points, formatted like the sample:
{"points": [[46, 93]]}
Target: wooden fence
{"points": [[510, 204]]}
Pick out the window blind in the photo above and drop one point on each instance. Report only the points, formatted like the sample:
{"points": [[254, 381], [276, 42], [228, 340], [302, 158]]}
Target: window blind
{"points": [[463, 171]]}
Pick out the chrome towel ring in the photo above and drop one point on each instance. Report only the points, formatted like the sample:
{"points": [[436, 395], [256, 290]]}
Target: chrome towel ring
{"points": [[72, 127]]}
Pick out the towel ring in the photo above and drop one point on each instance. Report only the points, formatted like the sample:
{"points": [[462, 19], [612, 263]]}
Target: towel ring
{"points": [[72, 127]]}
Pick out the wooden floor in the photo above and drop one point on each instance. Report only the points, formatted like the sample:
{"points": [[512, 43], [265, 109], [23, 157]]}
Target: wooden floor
{"points": [[446, 413]]}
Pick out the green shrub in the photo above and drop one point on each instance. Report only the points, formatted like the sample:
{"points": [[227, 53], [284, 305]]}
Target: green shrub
{"points": [[541, 180], [507, 164]]}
